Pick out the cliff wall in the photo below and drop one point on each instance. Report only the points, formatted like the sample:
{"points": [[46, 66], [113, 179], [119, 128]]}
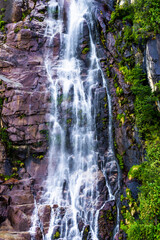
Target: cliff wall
{"points": [[25, 102]]}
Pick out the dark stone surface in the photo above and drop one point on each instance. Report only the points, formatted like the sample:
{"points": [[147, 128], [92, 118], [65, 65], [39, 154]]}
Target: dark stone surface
{"points": [[134, 187], [153, 60]]}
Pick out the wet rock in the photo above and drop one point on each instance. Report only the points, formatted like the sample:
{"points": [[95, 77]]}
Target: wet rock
{"points": [[3, 158], [134, 188], [112, 175], [107, 220], [153, 61], [44, 213], [18, 219], [56, 232], [6, 226], [86, 232], [111, 43], [101, 108], [14, 236], [4, 203]]}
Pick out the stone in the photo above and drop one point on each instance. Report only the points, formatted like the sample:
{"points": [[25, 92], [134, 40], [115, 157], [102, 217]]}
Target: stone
{"points": [[4, 203], [153, 61], [3, 158], [18, 219], [107, 220], [44, 212], [17, 198]]}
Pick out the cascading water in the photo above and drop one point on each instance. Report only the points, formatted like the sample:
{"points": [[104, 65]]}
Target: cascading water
{"points": [[71, 187]]}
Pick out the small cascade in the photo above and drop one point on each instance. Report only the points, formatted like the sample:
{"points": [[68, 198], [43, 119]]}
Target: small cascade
{"points": [[81, 163]]}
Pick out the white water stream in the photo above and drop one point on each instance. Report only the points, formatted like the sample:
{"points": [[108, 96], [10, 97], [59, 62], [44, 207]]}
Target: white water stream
{"points": [[71, 185]]}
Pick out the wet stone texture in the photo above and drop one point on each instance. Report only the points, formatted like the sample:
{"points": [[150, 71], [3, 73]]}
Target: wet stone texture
{"points": [[107, 220]]}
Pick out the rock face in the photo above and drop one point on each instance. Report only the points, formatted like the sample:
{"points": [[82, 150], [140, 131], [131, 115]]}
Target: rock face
{"points": [[107, 220], [25, 100], [153, 61], [25, 104]]}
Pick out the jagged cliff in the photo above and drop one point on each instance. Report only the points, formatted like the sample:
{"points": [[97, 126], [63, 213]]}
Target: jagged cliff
{"points": [[25, 103]]}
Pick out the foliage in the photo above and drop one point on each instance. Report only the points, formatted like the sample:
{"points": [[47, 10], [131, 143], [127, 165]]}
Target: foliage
{"points": [[121, 118], [148, 224], [147, 116], [2, 22], [85, 50], [142, 15], [120, 159], [147, 15], [141, 217], [4, 139], [147, 120]]}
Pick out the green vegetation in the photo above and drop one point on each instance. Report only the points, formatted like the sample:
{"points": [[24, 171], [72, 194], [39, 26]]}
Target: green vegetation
{"points": [[121, 118], [60, 99], [46, 133], [26, 13], [120, 160], [39, 157], [1, 102], [2, 22], [119, 91], [85, 50], [147, 116], [56, 235], [17, 29], [147, 226], [69, 121], [7, 177], [4, 139], [141, 217], [143, 15]]}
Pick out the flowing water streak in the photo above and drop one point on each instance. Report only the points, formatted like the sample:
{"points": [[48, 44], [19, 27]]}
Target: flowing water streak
{"points": [[72, 167]]}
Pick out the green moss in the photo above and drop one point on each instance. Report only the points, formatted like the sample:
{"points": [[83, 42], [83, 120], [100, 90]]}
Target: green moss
{"points": [[4, 138], [121, 118], [119, 91], [85, 50], [108, 72], [46, 133], [2, 23], [1, 102], [3, 10], [105, 99], [39, 19], [40, 157], [120, 160], [69, 121], [56, 235], [7, 177], [105, 105], [103, 40], [17, 29], [26, 13], [60, 99], [109, 215]]}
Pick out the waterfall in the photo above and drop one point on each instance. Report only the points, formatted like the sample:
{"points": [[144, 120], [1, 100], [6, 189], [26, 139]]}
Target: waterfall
{"points": [[76, 83]]}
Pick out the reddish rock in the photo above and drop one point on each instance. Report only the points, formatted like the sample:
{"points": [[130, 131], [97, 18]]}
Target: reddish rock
{"points": [[4, 203], [18, 219]]}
